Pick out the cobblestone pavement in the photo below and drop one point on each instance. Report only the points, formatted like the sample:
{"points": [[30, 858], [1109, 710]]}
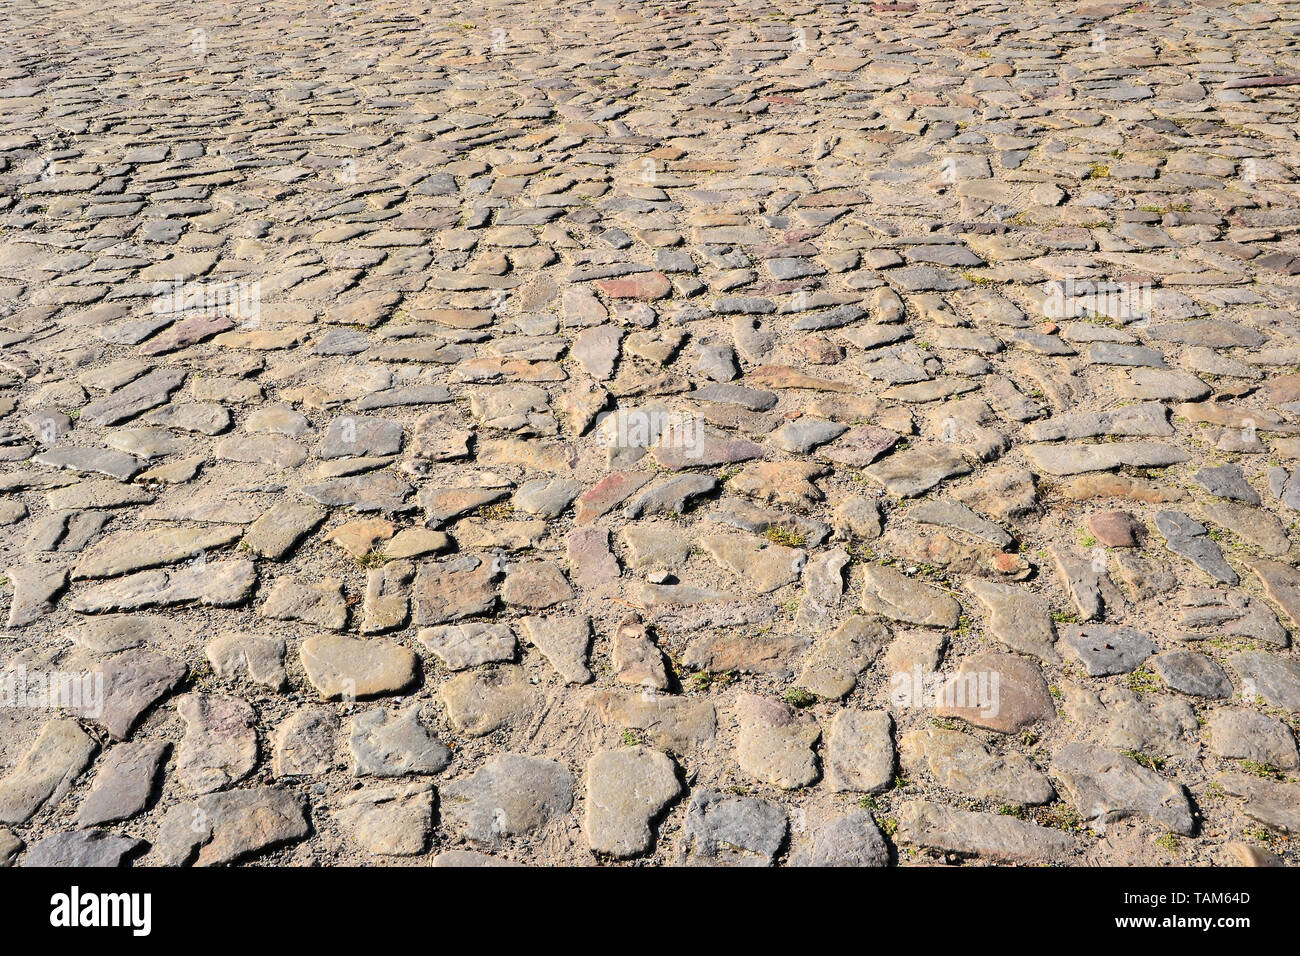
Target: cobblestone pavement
{"points": [[711, 433]]}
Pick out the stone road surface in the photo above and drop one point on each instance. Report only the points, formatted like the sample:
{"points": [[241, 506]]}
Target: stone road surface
{"points": [[711, 433]]}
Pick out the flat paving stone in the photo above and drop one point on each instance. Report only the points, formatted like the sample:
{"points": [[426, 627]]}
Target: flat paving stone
{"points": [[46, 771], [511, 795], [981, 835], [220, 828], [1104, 785], [83, 848], [963, 763], [849, 840], [1106, 649], [626, 789], [124, 782], [997, 691], [344, 667], [728, 830]]}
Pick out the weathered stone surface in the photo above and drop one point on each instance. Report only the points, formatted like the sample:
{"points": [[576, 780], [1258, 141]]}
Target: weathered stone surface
{"points": [[1087, 583], [35, 586], [1271, 802], [1250, 735], [461, 646], [46, 771], [360, 436], [441, 505], [669, 496], [389, 821], [986, 835], [764, 566], [132, 683], [479, 702], [774, 742], [781, 483], [360, 538], [1189, 539], [509, 796], [1105, 649], [1003, 492], [124, 782], [273, 451], [85, 460], [386, 744], [849, 840], [1282, 585], [676, 724], [1124, 720], [951, 514], [10, 846], [415, 543], [469, 858], [960, 762], [222, 827], [1079, 459], [750, 655], [802, 435], [832, 666], [304, 743], [1257, 526], [259, 659], [220, 743], [1018, 618], [1274, 677], [1142, 419], [596, 349], [1114, 529], [563, 641], [548, 497], [386, 604], [148, 391], [890, 594], [123, 553], [535, 585], [379, 491], [727, 830], [1192, 673], [320, 603], [83, 848], [449, 590], [1105, 786], [997, 691], [915, 471], [341, 667], [608, 493], [636, 658], [681, 447], [626, 789], [823, 581], [858, 446], [860, 751], [1227, 481], [277, 532], [1244, 854], [213, 584]]}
